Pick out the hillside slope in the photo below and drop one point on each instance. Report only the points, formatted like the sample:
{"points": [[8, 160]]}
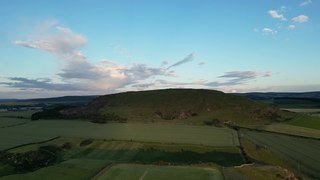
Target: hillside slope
{"points": [[185, 105]]}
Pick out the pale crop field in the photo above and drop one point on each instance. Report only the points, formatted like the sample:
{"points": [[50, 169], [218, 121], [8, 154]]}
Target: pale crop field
{"points": [[152, 172], [302, 110], [152, 132]]}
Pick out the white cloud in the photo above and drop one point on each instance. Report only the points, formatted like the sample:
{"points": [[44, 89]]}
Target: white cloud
{"points": [[268, 31], [306, 2], [57, 40], [300, 19], [78, 72], [275, 14], [291, 27]]}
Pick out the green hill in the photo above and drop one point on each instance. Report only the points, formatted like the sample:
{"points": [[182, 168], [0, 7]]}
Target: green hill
{"points": [[190, 106]]}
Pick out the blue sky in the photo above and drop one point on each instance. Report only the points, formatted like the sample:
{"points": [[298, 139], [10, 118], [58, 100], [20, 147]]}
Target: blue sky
{"points": [[54, 48]]}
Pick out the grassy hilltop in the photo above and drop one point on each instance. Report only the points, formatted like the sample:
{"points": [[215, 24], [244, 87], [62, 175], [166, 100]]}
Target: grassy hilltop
{"points": [[194, 106]]}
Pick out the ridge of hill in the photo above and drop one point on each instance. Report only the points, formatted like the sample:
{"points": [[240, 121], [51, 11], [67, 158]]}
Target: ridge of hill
{"points": [[192, 106]]}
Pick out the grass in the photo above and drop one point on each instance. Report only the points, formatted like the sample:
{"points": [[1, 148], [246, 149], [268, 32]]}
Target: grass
{"points": [[305, 120], [126, 151], [302, 154], [86, 161], [8, 121], [163, 133], [293, 130], [152, 172], [261, 172], [80, 169], [13, 114]]}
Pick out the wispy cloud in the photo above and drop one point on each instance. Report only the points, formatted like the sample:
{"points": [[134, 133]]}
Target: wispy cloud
{"points": [[276, 14], [233, 78], [183, 61], [300, 19], [291, 27], [306, 2], [269, 31], [44, 84]]}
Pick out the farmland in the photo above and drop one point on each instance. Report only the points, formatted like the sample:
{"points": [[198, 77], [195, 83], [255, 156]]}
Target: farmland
{"points": [[43, 130], [149, 172], [301, 154], [82, 162], [14, 114], [196, 138], [306, 120], [7, 121], [12, 118], [293, 130]]}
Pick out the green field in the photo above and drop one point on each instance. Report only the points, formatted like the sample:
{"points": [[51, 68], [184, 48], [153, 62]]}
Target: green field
{"points": [[80, 169], [13, 114], [163, 133], [293, 130], [8, 121], [152, 172], [82, 162], [305, 120], [302, 154]]}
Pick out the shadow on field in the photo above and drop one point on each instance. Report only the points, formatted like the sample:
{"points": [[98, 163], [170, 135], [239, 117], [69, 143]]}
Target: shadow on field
{"points": [[164, 157]]}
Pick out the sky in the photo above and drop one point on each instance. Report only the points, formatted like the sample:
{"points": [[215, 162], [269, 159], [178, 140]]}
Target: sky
{"points": [[51, 48]]}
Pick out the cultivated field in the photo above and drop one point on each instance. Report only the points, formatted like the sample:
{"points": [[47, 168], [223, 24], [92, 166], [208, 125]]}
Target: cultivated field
{"points": [[163, 133], [8, 121], [305, 120], [152, 172], [302, 154], [80, 169], [22, 114], [86, 161], [293, 130]]}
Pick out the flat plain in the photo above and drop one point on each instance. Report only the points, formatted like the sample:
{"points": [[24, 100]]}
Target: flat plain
{"points": [[167, 133], [152, 172]]}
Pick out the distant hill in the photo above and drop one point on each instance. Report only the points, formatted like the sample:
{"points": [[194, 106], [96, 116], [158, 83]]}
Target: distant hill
{"points": [[70, 100], [287, 100], [62, 100], [181, 105]]}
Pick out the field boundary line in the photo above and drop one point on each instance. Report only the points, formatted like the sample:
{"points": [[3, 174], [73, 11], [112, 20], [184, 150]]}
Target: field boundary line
{"points": [[102, 171], [274, 132], [39, 142], [13, 125]]}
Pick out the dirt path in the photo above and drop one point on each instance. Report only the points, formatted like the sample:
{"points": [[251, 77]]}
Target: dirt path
{"points": [[144, 174]]}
